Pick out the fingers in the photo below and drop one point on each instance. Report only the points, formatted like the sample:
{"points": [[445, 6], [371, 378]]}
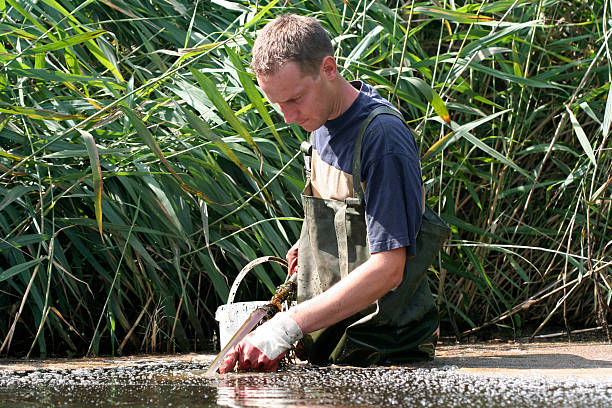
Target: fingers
{"points": [[251, 358], [292, 256], [293, 266], [293, 251], [270, 365], [248, 357], [258, 361], [229, 362]]}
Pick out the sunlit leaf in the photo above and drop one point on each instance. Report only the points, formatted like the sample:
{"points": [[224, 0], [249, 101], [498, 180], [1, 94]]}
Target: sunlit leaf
{"points": [[38, 113], [226, 111], [452, 15], [254, 96], [66, 42], [582, 137], [432, 97], [260, 14]]}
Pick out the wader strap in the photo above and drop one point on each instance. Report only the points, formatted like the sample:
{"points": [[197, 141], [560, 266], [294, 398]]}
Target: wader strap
{"points": [[306, 148], [357, 198]]}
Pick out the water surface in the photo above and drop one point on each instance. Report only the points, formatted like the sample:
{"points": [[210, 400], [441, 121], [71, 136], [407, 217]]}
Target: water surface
{"points": [[182, 384]]}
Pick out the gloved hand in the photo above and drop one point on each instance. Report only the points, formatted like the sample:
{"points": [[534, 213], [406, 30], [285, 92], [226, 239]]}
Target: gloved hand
{"points": [[263, 349], [292, 258]]}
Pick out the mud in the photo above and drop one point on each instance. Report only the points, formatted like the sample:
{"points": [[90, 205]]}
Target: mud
{"points": [[500, 375], [561, 360]]}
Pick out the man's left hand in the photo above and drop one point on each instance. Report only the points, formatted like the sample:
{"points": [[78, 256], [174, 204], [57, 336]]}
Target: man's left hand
{"points": [[292, 258]]}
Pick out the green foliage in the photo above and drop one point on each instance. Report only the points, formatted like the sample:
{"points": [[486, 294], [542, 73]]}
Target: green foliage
{"points": [[141, 167]]}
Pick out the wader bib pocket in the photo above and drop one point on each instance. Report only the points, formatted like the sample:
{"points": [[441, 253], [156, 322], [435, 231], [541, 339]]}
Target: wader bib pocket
{"points": [[399, 327]]}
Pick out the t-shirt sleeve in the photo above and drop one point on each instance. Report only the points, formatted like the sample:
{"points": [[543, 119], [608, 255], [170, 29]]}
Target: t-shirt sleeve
{"points": [[393, 192]]}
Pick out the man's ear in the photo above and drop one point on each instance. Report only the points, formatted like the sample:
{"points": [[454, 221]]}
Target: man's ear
{"points": [[329, 69]]}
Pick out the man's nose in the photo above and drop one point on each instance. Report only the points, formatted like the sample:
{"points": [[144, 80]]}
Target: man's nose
{"points": [[288, 113]]}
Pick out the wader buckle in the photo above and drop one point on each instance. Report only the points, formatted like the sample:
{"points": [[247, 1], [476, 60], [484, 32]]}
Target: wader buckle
{"points": [[353, 201], [306, 148]]}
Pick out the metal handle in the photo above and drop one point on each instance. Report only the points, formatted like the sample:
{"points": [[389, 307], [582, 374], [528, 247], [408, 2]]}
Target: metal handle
{"points": [[247, 268]]}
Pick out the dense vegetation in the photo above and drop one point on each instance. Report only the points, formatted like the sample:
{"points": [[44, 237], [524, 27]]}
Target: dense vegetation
{"points": [[141, 168]]}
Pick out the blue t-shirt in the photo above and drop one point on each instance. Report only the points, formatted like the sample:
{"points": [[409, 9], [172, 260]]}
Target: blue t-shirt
{"points": [[390, 169]]}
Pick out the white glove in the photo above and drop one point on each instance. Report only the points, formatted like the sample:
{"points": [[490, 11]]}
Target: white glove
{"points": [[263, 349]]}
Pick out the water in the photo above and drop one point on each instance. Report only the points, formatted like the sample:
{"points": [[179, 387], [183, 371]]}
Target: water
{"points": [[182, 384]]}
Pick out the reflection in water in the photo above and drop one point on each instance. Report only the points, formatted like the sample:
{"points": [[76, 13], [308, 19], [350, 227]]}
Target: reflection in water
{"points": [[403, 387], [239, 392], [285, 389], [184, 385]]}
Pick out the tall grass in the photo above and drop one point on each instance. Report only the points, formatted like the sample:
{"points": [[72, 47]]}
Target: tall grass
{"points": [[141, 167]]}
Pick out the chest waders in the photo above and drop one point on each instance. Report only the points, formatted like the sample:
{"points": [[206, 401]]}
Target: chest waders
{"points": [[400, 327]]}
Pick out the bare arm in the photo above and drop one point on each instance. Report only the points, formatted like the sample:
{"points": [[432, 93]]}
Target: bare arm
{"points": [[382, 272]]}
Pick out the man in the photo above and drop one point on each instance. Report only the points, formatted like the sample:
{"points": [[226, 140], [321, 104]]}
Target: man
{"points": [[362, 295]]}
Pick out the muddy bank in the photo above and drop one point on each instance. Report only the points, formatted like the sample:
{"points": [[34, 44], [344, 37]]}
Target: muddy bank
{"points": [[547, 359]]}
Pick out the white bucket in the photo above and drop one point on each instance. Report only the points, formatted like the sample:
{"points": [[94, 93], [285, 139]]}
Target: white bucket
{"points": [[232, 316]]}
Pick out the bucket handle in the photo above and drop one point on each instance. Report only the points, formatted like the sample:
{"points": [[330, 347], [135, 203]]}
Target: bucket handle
{"points": [[247, 268]]}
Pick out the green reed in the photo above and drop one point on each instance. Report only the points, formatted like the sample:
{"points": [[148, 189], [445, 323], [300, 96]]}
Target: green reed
{"points": [[141, 168]]}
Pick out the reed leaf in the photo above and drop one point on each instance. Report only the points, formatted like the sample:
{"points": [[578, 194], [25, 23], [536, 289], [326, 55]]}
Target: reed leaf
{"points": [[66, 42], [255, 97], [96, 173], [226, 111], [582, 137], [20, 268], [455, 16]]}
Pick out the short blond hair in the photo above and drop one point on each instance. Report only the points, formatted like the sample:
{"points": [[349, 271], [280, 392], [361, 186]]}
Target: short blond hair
{"points": [[291, 38]]}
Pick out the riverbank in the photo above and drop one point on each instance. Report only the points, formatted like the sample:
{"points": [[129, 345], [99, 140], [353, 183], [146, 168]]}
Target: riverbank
{"points": [[560, 360], [557, 359]]}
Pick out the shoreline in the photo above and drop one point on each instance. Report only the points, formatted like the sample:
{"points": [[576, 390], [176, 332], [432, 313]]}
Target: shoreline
{"points": [[559, 360]]}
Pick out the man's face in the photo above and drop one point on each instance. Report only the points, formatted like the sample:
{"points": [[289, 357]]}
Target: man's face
{"points": [[303, 99]]}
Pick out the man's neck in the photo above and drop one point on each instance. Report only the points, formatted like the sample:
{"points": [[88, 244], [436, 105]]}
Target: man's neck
{"points": [[346, 96]]}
